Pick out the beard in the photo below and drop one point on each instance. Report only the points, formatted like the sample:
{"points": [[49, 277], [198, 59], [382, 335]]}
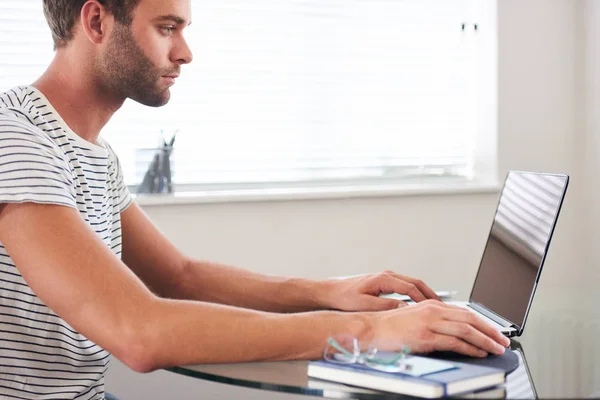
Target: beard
{"points": [[124, 70]]}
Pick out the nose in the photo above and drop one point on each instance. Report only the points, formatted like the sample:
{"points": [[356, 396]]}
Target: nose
{"points": [[183, 53]]}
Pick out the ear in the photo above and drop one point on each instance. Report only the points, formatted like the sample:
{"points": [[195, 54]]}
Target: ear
{"points": [[94, 20]]}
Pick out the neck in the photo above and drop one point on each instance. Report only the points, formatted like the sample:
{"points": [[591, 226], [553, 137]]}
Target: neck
{"points": [[71, 88]]}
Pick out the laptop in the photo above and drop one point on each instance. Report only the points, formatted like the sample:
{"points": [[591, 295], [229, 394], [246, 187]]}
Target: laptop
{"points": [[516, 249]]}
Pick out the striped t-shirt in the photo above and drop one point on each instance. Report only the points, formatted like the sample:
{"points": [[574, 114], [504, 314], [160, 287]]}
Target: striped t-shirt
{"points": [[43, 161]]}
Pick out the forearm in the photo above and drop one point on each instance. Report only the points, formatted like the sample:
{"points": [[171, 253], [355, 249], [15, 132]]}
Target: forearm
{"points": [[177, 332], [168, 273], [224, 284]]}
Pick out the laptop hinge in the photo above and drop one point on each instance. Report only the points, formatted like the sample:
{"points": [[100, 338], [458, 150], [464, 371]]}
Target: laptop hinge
{"points": [[491, 315]]}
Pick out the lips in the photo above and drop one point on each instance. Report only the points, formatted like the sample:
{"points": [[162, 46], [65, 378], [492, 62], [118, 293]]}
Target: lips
{"points": [[170, 79]]}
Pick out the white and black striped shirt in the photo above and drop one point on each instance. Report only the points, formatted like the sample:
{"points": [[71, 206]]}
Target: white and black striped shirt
{"points": [[43, 161]]}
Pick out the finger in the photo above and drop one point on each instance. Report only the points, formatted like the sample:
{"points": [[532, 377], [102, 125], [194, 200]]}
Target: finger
{"points": [[452, 343], [408, 288], [423, 288], [385, 283], [371, 303], [469, 334], [389, 283], [459, 315]]}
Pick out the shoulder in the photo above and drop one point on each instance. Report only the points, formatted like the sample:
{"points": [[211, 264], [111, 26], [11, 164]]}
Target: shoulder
{"points": [[19, 113], [33, 167], [15, 97], [20, 102], [14, 129], [22, 143]]}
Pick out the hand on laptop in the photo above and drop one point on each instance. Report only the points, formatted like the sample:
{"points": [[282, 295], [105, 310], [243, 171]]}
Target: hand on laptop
{"points": [[361, 293], [435, 326]]}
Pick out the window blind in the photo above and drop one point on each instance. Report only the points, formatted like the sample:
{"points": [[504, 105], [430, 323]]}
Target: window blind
{"points": [[288, 91]]}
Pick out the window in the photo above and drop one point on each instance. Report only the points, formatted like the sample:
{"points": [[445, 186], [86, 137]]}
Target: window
{"points": [[311, 92]]}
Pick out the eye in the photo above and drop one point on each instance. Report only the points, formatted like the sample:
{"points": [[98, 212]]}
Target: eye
{"points": [[167, 30]]}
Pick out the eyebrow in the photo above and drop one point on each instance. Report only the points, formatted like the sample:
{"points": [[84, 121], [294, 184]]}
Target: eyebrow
{"points": [[173, 18]]}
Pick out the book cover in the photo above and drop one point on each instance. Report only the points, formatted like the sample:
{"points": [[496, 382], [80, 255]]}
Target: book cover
{"points": [[337, 390], [455, 378]]}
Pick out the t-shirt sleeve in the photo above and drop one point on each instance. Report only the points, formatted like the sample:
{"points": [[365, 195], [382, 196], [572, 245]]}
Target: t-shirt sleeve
{"points": [[32, 167], [123, 196]]}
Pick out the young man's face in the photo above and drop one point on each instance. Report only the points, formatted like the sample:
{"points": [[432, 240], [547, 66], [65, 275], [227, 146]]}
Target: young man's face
{"points": [[142, 60]]}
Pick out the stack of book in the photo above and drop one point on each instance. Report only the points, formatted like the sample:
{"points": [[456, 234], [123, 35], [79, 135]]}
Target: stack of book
{"points": [[426, 377]]}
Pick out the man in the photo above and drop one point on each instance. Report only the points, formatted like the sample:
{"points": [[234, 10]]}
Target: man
{"points": [[67, 220]]}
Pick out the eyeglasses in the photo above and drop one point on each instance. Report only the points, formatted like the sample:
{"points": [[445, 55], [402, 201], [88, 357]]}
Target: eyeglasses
{"points": [[346, 350]]}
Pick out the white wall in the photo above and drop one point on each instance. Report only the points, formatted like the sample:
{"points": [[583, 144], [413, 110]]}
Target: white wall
{"points": [[436, 238], [591, 140]]}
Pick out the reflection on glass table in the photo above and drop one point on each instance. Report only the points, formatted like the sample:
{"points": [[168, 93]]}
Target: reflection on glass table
{"points": [[291, 377], [559, 357]]}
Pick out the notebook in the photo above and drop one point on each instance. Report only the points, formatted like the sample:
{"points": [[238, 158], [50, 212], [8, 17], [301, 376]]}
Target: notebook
{"points": [[436, 379], [334, 390]]}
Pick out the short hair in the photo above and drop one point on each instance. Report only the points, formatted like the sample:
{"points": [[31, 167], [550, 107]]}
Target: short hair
{"points": [[63, 15]]}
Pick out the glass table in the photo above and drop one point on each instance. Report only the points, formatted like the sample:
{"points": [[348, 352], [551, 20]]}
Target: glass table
{"points": [[559, 356]]}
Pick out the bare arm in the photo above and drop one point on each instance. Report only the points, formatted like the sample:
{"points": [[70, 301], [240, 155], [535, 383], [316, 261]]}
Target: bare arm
{"points": [[170, 274], [80, 279]]}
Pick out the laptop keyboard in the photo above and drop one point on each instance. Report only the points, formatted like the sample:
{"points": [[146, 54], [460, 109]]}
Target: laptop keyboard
{"points": [[486, 319], [465, 305]]}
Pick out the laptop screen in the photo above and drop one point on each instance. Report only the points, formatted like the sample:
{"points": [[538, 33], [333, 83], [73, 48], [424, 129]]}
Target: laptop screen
{"points": [[517, 244]]}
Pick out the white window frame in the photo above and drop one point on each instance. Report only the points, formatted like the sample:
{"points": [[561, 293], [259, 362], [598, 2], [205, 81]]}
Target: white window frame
{"points": [[485, 177]]}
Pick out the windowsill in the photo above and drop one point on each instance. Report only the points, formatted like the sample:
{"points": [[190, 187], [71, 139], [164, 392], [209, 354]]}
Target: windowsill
{"points": [[319, 193]]}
